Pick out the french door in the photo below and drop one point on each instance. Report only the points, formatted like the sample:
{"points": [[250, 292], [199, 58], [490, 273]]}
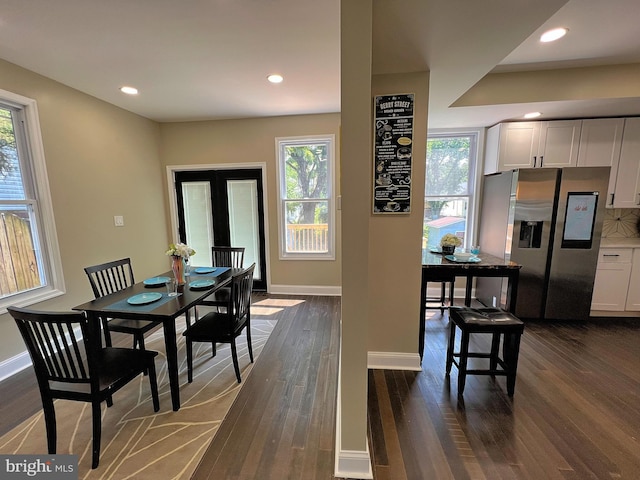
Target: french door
{"points": [[223, 207]]}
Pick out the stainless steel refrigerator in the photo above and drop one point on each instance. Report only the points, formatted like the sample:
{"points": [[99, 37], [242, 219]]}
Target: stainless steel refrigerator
{"points": [[549, 220]]}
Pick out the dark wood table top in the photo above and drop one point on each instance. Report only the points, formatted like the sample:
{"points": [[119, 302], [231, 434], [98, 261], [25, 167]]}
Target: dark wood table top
{"points": [[487, 262], [175, 307]]}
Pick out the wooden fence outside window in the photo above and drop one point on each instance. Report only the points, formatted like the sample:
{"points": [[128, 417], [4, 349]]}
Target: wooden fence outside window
{"points": [[18, 264]]}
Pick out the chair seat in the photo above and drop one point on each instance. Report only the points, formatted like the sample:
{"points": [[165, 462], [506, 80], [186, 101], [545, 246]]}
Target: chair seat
{"points": [[485, 319], [114, 363], [212, 327]]}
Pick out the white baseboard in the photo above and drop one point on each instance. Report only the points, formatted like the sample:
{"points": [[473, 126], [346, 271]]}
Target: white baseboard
{"points": [[13, 365], [353, 464], [393, 361], [326, 291]]}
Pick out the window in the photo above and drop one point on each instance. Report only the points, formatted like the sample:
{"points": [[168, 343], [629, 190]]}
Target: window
{"points": [[305, 186], [449, 187], [29, 260]]}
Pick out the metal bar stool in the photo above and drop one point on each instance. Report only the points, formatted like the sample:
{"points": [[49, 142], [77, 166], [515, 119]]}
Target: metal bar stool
{"points": [[485, 320]]}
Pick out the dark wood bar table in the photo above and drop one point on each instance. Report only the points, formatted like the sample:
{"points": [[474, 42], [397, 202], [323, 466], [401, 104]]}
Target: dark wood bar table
{"points": [[165, 310], [435, 266]]}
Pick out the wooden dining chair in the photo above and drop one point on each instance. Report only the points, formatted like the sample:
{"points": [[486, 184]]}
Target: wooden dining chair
{"points": [[111, 277], [224, 327], [70, 365]]}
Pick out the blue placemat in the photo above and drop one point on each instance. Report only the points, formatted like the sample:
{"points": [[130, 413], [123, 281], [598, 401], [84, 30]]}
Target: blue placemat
{"points": [[216, 271], [123, 305]]}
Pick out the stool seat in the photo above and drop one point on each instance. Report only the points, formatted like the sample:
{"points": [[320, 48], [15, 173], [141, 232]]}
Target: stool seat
{"points": [[496, 322]]}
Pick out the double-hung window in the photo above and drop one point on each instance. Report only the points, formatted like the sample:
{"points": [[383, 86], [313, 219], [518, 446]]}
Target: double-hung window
{"points": [[29, 260], [305, 194], [449, 187]]}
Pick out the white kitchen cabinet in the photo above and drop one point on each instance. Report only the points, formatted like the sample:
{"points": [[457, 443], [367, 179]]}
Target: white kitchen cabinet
{"points": [[612, 279], [600, 145], [532, 145], [627, 189], [633, 295]]}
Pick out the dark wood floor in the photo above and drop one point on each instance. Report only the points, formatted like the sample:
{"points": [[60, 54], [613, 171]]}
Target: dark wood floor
{"points": [[575, 413]]}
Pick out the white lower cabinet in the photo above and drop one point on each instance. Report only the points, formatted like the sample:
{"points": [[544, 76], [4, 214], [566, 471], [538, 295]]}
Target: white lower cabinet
{"points": [[612, 279], [633, 295]]}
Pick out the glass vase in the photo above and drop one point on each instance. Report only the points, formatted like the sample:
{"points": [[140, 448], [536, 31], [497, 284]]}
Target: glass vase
{"points": [[177, 265]]}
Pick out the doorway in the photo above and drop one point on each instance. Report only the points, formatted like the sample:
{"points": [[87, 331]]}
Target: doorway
{"points": [[223, 207]]}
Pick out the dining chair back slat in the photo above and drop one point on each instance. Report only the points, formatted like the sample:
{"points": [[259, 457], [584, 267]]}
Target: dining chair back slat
{"points": [[228, 256]]}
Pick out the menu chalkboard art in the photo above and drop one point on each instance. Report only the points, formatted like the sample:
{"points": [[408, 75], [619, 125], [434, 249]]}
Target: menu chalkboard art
{"points": [[393, 125]]}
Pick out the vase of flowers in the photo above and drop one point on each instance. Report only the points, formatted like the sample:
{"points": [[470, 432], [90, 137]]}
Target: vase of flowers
{"points": [[179, 253], [449, 242]]}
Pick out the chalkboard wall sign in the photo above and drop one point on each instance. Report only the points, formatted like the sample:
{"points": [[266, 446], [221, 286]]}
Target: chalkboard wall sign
{"points": [[393, 133]]}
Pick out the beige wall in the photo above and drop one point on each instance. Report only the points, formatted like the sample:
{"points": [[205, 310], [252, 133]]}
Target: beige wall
{"points": [[253, 141], [101, 161]]}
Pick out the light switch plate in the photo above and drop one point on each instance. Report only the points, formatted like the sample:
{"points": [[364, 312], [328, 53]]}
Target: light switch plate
{"points": [[118, 221]]}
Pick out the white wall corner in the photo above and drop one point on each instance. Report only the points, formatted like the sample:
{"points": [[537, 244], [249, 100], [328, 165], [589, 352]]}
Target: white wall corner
{"points": [[393, 361]]}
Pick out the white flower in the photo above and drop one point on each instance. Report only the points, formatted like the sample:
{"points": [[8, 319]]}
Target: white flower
{"points": [[180, 250], [451, 240]]}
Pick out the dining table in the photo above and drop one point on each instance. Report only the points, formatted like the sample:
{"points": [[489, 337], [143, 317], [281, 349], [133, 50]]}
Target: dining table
{"points": [[135, 302], [436, 266]]}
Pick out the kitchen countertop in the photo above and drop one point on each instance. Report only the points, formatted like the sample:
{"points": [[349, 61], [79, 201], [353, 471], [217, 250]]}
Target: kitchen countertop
{"points": [[620, 242]]}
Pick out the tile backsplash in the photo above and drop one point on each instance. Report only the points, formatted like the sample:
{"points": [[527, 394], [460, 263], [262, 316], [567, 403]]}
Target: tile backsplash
{"points": [[621, 223]]}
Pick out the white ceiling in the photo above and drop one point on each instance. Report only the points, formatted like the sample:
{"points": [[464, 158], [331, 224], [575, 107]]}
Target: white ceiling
{"points": [[208, 59]]}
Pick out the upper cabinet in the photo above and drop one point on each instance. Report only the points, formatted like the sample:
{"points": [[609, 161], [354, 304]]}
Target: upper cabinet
{"points": [[627, 185], [600, 145], [532, 145]]}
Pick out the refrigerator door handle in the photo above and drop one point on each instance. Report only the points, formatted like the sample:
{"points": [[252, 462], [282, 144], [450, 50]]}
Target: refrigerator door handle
{"points": [[541, 160], [534, 161]]}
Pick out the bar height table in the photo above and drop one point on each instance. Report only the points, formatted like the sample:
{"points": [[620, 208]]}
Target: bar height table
{"points": [[434, 265]]}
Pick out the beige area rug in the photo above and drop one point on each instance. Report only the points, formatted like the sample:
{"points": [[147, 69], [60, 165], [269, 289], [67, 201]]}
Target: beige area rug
{"points": [[136, 442]]}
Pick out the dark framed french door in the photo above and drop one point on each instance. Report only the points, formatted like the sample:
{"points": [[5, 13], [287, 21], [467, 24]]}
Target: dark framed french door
{"points": [[223, 207]]}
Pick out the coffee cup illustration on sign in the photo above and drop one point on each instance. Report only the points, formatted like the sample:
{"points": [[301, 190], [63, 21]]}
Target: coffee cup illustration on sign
{"points": [[391, 206], [383, 179]]}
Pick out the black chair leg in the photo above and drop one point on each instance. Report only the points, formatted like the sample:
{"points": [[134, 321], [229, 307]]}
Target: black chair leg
{"points": [[50, 425], [249, 342], [462, 366], [452, 341], [189, 360], [106, 332], [97, 432], [234, 355], [153, 383]]}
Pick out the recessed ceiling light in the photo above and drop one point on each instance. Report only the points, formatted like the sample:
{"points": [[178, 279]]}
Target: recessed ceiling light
{"points": [[129, 90], [553, 35], [532, 115], [275, 78]]}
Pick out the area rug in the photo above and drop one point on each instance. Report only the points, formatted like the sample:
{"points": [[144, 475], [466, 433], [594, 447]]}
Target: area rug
{"points": [[136, 442]]}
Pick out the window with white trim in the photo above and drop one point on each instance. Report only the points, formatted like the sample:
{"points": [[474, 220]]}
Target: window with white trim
{"points": [[449, 187], [29, 258], [305, 194]]}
